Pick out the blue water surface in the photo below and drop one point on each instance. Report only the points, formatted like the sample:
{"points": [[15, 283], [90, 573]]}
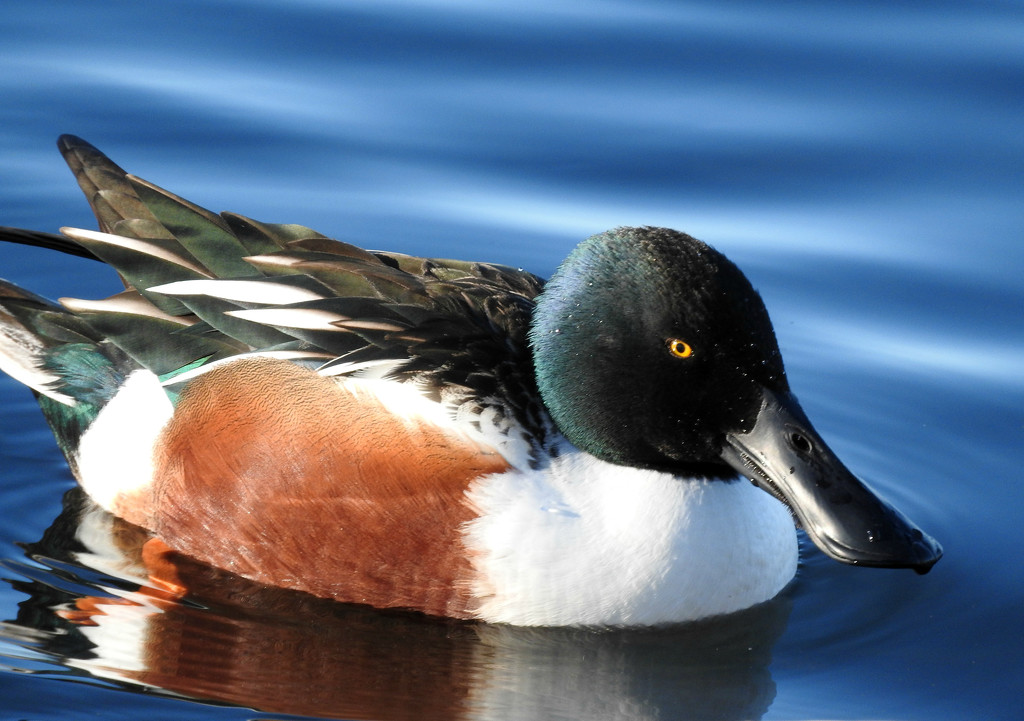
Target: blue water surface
{"points": [[863, 162]]}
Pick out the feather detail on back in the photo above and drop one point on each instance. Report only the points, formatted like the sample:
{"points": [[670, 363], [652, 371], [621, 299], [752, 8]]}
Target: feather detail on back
{"points": [[203, 287]]}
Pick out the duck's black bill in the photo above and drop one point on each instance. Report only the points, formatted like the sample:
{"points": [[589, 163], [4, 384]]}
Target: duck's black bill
{"points": [[786, 457]]}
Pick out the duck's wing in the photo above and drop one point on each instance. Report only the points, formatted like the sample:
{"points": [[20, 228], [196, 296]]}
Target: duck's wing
{"points": [[201, 287]]}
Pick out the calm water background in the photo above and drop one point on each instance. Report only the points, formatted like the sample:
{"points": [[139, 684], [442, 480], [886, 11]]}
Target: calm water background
{"points": [[862, 162]]}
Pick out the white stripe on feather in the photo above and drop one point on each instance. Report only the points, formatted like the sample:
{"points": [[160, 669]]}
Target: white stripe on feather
{"points": [[243, 291], [283, 261], [139, 246], [127, 303], [20, 353], [288, 355], [303, 318], [367, 370]]}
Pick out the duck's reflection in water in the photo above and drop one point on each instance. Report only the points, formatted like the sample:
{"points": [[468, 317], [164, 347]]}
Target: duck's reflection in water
{"points": [[106, 603]]}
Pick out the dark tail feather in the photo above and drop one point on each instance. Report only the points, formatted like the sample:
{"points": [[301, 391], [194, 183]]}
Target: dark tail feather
{"points": [[50, 241]]}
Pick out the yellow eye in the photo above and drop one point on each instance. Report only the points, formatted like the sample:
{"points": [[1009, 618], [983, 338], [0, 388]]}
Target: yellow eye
{"points": [[679, 348]]}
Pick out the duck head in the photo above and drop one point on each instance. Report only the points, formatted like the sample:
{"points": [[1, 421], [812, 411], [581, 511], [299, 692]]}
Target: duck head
{"points": [[653, 350]]}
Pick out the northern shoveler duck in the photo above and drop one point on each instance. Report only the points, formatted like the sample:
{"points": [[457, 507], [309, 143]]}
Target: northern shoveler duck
{"points": [[456, 438]]}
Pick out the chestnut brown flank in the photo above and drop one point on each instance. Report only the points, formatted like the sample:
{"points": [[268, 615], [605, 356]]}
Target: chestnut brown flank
{"points": [[275, 473]]}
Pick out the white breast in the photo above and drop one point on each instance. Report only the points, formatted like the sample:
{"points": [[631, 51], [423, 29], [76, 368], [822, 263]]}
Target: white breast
{"points": [[591, 543]]}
